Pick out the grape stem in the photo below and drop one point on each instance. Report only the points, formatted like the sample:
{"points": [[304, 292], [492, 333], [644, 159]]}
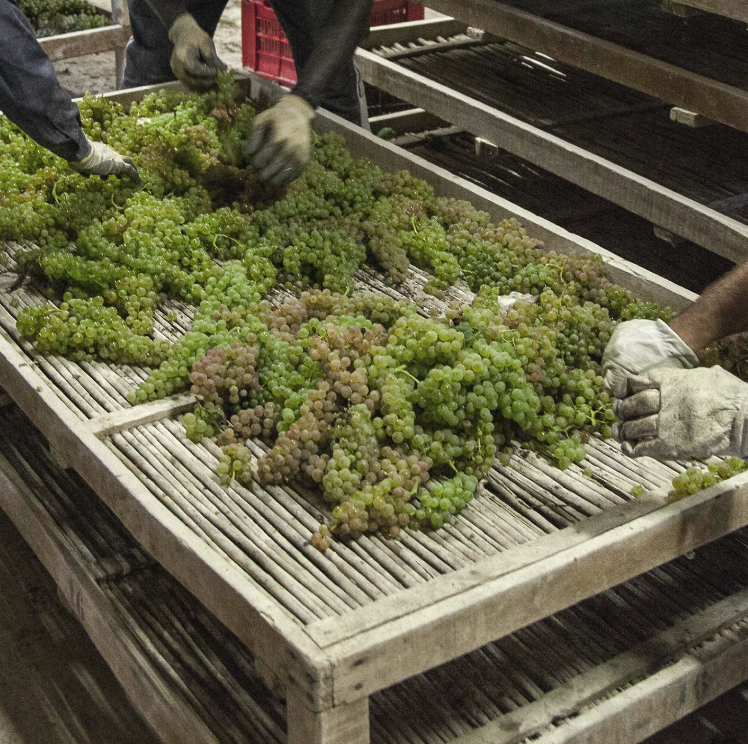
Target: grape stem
{"points": [[406, 373]]}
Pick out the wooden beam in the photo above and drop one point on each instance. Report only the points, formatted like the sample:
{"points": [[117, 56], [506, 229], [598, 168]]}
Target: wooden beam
{"points": [[81, 43], [412, 120], [403, 33], [640, 711], [719, 101], [444, 629], [735, 9], [635, 663], [661, 206], [689, 118], [146, 413], [265, 627], [346, 724], [170, 716]]}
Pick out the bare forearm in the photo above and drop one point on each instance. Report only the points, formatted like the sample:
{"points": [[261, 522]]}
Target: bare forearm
{"points": [[721, 311]]}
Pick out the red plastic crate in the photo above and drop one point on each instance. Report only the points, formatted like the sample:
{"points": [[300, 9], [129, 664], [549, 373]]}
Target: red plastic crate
{"points": [[265, 49]]}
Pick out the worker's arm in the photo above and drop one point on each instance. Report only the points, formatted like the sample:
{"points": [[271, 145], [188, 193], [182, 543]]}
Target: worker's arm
{"points": [[32, 98], [640, 345], [30, 95], [279, 147], [722, 310], [194, 60]]}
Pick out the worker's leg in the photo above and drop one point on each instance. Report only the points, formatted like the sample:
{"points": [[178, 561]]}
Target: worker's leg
{"points": [[301, 21], [149, 49]]}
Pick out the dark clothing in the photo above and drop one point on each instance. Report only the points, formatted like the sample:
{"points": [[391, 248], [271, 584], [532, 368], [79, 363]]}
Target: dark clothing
{"points": [[148, 59], [30, 95], [323, 34]]}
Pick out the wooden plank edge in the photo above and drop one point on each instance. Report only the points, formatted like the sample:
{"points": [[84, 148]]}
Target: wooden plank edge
{"points": [[145, 413], [81, 43], [396, 650], [171, 717], [662, 206], [733, 9], [667, 696], [335, 630], [715, 100], [640, 661], [279, 641], [403, 33]]}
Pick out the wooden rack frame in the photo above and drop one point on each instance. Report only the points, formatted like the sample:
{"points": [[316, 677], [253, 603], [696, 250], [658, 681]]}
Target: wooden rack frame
{"points": [[662, 206], [702, 95], [95, 40], [735, 9], [329, 667]]}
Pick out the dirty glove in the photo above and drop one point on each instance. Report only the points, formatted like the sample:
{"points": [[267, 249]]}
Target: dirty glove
{"points": [[102, 160], [281, 140], [637, 346], [194, 60], [673, 414]]}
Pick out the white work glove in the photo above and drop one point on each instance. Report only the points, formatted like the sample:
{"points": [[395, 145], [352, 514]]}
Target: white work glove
{"points": [[102, 160], [637, 346], [194, 60], [674, 414], [281, 141]]}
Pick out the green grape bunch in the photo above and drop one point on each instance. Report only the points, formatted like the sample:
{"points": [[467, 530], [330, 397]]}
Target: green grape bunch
{"points": [[392, 413]]}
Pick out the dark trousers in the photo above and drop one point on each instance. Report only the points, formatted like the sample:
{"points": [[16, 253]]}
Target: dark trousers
{"points": [[149, 50]]}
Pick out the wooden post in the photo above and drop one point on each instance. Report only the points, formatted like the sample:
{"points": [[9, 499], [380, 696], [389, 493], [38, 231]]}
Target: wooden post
{"points": [[120, 16], [344, 724]]}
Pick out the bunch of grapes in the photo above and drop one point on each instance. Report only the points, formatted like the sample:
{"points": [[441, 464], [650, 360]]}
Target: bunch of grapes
{"points": [[393, 412], [696, 479]]}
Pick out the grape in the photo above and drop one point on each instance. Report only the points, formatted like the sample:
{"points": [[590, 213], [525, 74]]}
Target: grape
{"points": [[696, 479], [392, 412]]}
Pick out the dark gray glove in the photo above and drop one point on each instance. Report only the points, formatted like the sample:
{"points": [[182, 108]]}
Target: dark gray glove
{"points": [[194, 60], [674, 414], [281, 141], [102, 160]]}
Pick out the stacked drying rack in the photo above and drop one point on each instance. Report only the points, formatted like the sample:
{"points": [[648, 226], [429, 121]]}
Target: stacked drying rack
{"points": [[374, 640]]}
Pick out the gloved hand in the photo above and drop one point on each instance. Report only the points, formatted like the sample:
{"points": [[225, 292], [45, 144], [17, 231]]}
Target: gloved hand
{"points": [[637, 346], [194, 60], [674, 414], [281, 141], [102, 160]]}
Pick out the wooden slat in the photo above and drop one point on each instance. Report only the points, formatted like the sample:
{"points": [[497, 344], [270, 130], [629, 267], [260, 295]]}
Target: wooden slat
{"points": [[445, 629], [662, 206], [719, 101], [412, 31], [665, 697], [168, 714], [635, 663], [735, 9], [254, 617], [81, 43], [146, 413]]}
